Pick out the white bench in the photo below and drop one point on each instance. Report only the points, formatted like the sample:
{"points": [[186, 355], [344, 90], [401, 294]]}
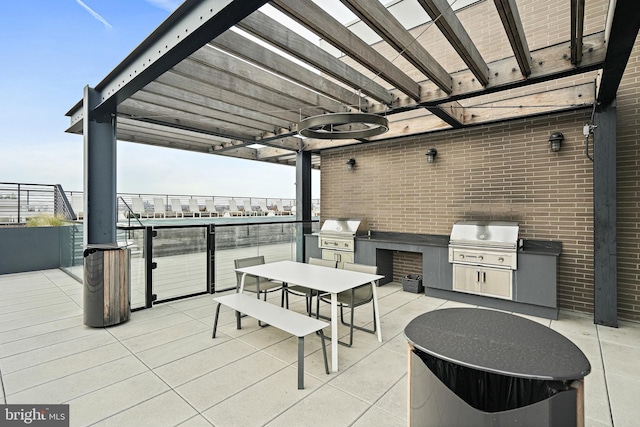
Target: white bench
{"points": [[289, 321]]}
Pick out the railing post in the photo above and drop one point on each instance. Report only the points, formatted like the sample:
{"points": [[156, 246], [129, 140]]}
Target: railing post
{"points": [[19, 203], [149, 233], [211, 257]]}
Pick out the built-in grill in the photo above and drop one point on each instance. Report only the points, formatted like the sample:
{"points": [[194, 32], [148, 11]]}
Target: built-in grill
{"points": [[484, 255], [337, 238]]}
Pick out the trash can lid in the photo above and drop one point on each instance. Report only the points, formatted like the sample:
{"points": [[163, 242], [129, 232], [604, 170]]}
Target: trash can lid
{"points": [[497, 342], [104, 246]]}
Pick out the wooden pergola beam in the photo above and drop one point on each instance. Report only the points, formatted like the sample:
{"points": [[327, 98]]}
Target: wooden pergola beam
{"points": [[244, 48], [569, 98], [550, 63], [512, 23], [447, 21], [271, 31], [189, 85], [577, 30], [326, 26], [243, 71], [379, 19]]}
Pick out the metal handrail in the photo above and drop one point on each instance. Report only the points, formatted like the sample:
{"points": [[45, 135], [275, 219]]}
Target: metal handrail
{"points": [[130, 212]]}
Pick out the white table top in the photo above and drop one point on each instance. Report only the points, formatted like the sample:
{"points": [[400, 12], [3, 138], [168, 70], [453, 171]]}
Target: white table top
{"points": [[327, 279]]}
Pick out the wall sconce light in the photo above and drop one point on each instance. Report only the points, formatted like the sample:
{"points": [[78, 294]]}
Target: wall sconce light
{"points": [[351, 164], [555, 140], [431, 155]]}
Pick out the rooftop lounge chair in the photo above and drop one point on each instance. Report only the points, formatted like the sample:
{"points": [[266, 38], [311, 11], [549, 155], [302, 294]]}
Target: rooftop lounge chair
{"points": [[176, 208], [263, 209], [77, 203], [233, 209], [248, 209], [211, 207], [280, 210], [194, 208], [138, 207], [159, 209]]}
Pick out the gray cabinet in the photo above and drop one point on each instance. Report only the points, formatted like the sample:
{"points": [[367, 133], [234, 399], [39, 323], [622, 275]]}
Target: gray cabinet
{"points": [[535, 279], [311, 249], [437, 271]]}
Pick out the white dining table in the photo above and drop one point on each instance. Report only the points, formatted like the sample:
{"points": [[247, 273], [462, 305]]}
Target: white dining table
{"points": [[323, 279]]}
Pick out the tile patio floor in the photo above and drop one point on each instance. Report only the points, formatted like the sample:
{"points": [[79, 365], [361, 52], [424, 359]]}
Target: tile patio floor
{"points": [[161, 368]]}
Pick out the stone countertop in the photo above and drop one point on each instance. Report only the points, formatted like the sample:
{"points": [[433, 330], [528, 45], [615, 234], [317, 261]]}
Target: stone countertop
{"points": [[537, 247], [541, 247], [497, 342], [406, 238]]}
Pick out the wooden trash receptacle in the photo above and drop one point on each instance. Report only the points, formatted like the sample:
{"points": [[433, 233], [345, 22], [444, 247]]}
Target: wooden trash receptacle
{"points": [[107, 285]]}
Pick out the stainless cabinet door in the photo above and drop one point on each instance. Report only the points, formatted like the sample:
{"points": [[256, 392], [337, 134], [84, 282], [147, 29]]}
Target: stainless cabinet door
{"points": [[496, 283]]}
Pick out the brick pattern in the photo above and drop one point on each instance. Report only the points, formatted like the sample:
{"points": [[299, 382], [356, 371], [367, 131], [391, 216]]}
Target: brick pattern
{"points": [[628, 187], [406, 263], [504, 171]]}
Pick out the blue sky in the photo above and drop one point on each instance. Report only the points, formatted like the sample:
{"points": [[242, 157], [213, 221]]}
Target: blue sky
{"points": [[50, 50]]}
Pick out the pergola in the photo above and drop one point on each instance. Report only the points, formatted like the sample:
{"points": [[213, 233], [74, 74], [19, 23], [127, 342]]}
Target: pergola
{"points": [[199, 82]]}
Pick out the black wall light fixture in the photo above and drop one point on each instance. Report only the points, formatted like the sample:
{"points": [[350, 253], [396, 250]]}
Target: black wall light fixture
{"points": [[351, 163], [555, 140], [431, 155]]}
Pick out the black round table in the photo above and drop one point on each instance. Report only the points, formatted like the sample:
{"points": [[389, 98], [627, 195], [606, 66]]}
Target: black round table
{"points": [[463, 359]]}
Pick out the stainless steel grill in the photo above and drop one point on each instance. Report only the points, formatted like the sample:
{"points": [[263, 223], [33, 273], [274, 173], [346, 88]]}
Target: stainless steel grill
{"points": [[484, 255], [337, 238]]}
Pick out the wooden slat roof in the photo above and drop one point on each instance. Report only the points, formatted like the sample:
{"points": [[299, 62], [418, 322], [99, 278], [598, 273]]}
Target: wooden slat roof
{"points": [[230, 78]]}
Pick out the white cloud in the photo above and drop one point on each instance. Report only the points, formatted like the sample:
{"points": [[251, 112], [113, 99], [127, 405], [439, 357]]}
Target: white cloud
{"points": [[94, 14]]}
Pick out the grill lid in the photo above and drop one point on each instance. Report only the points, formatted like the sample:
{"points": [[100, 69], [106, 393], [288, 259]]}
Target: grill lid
{"points": [[344, 227], [490, 234]]}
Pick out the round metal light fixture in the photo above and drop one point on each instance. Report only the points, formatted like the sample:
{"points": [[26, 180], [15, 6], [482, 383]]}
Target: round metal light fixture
{"points": [[351, 164], [343, 126], [555, 140], [431, 155]]}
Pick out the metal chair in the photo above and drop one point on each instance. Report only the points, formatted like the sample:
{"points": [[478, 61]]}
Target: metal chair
{"points": [[352, 298], [257, 285], [303, 290]]}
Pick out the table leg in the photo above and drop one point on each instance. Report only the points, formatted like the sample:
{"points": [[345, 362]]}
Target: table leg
{"points": [[334, 332], [376, 310], [238, 314]]}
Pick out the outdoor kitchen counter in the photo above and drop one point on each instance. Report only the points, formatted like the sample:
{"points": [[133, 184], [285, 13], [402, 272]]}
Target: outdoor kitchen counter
{"points": [[541, 247], [534, 280], [378, 247], [407, 238]]}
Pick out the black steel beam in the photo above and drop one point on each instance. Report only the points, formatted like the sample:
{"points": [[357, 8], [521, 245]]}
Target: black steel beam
{"points": [[303, 200], [605, 277], [190, 27], [623, 31]]}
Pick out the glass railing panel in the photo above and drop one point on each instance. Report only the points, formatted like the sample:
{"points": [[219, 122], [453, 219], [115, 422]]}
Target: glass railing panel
{"points": [[71, 249], [181, 257], [134, 240], [276, 242]]}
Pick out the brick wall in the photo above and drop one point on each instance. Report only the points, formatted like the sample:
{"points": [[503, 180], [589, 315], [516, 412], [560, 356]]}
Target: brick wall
{"points": [[503, 171], [628, 187], [406, 263]]}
